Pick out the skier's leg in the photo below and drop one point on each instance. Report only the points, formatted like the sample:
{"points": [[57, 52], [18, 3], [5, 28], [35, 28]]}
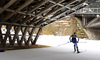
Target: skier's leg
{"points": [[77, 48], [74, 48]]}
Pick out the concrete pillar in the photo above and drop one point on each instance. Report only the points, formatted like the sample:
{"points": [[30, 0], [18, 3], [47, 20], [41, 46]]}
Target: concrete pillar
{"points": [[84, 20]]}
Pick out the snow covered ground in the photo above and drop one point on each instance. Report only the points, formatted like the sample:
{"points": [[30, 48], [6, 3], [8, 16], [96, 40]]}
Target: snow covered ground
{"points": [[90, 50]]}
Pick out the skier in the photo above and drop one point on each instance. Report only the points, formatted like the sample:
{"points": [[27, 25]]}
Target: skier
{"points": [[74, 40]]}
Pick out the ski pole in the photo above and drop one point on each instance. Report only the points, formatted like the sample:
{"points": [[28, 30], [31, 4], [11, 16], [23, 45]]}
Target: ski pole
{"points": [[63, 44], [69, 42]]}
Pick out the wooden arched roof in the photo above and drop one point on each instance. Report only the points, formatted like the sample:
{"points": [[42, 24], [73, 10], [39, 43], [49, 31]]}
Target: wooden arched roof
{"points": [[37, 12]]}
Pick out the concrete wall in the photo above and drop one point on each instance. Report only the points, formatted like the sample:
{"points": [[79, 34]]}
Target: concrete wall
{"points": [[93, 34]]}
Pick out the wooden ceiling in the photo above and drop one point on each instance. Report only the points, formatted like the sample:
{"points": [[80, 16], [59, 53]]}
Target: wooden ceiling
{"points": [[37, 12]]}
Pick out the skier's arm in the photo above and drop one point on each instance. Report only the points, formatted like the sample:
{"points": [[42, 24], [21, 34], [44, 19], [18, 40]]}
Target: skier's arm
{"points": [[70, 39], [78, 39]]}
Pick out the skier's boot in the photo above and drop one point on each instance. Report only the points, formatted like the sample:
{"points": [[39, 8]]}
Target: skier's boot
{"points": [[74, 48], [78, 50]]}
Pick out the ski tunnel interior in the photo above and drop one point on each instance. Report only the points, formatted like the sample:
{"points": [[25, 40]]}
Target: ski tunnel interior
{"points": [[21, 18]]}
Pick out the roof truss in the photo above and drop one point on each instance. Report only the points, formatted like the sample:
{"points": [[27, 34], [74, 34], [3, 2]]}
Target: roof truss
{"points": [[38, 12]]}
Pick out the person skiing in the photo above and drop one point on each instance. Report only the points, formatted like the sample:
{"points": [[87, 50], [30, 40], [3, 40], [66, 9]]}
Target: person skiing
{"points": [[74, 39]]}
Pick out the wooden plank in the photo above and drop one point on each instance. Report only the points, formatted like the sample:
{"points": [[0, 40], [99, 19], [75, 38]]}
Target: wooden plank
{"points": [[18, 9], [7, 5], [30, 37], [35, 40]]}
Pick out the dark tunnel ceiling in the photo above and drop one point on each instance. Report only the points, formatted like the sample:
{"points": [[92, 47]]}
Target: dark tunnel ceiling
{"points": [[38, 12]]}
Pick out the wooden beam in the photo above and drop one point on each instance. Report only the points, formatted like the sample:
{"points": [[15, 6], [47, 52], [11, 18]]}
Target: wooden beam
{"points": [[23, 36], [70, 2], [26, 19], [93, 21], [79, 3], [2, 2], [29, 32], [41, 22], [17, 18], [68, 10], [7, 5], [33, 21], [18, 9], [20, 12], [38, 5], [94, 25], [35, 40], [16, 34], [24, 5], [7, 34], [53, 11], [24, 39], [59, 1], [15, 24], [15, 4], [10, 39], [30, 37], [11, 10], [18, 41], [45, 9], [1, 38]]}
